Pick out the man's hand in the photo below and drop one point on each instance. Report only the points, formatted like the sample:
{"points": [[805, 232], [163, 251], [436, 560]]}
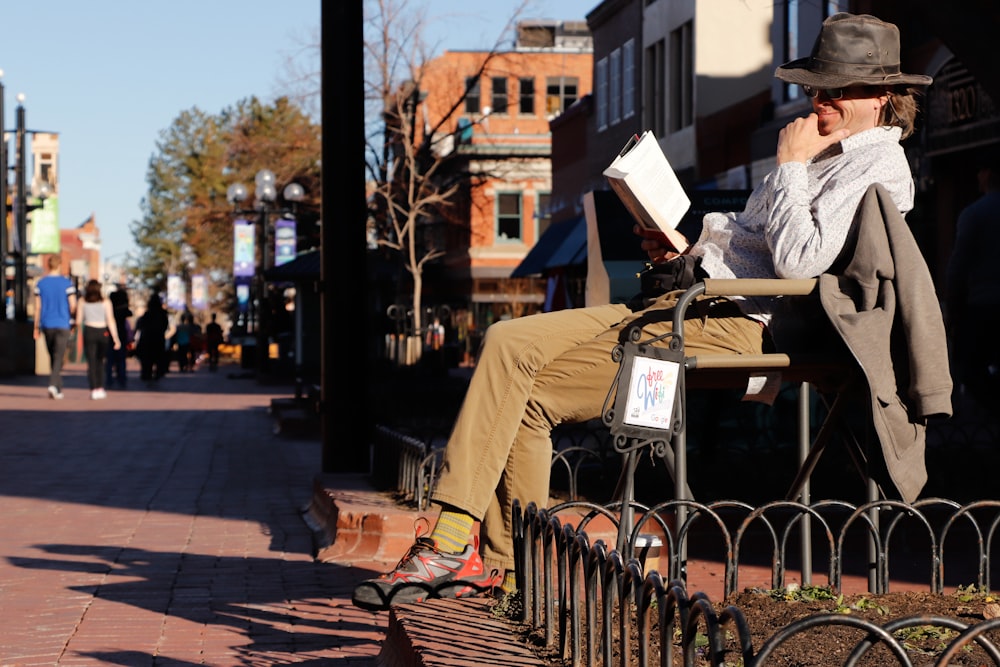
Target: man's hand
{"points": [[801, 140], [657, 248]]}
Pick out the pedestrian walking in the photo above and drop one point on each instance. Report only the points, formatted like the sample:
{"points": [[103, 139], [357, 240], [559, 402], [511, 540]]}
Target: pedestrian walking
{"points": [[55, 301], [95, 317], [183, 335], [116, 370], [213, 339], [150, 347]]}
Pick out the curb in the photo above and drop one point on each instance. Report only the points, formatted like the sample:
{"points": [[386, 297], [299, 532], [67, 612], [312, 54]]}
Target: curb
{"points": [[352, 521], [444, 633]]}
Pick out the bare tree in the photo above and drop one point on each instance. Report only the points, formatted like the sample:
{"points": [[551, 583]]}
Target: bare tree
{"points": [[413, 175], [301, 81]]}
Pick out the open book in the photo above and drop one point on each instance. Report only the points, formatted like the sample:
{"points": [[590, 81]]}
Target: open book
{"points": [[646, 183]]}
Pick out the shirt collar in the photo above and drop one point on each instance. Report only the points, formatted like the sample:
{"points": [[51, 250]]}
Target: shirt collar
{"points": [[875, 135]]}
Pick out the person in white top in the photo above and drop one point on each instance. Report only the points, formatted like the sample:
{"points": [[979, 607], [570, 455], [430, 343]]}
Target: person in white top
{"points": [[539, 371], [95, 317]]}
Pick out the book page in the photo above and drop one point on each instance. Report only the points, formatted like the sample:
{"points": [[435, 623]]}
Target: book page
{"points": [[642, 177]]}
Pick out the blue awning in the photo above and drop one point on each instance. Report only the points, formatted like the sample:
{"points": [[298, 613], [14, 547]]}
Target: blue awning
{"points": [[302, 268], [563, 244]]}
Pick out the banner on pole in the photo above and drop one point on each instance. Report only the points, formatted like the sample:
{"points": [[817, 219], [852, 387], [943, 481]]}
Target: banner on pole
{"points": [[284, 241], [243, 249], [176, 297], [243, 294], [199, 292], [45, 227]]}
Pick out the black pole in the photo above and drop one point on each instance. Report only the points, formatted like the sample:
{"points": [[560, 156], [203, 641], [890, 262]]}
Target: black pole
{"points": [[21, 221], [342, 241], [261, 327], [4, 241]]}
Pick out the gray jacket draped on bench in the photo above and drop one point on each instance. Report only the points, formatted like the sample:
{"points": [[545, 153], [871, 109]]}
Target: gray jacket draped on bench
{"points": [[884, 307]]}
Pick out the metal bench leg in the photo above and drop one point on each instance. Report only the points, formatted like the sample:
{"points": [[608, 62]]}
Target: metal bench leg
{"points": [[808, 464], [805, 524], [627, 485]]}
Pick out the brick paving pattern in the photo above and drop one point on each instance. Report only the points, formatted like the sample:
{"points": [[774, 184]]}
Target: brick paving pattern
{"points": [[170, 526], [164, 526]]}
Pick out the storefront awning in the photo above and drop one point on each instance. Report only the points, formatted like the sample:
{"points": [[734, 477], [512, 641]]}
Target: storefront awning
{"points": [[563, 244]]}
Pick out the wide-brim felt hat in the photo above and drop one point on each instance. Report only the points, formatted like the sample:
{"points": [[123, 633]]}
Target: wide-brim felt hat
{"points": [[852, 50]]}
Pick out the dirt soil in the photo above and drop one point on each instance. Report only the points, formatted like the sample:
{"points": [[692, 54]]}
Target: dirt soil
{"points": [[768, 612]]}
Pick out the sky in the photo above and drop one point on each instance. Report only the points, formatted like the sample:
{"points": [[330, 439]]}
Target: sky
{"points": [[109, 76]]}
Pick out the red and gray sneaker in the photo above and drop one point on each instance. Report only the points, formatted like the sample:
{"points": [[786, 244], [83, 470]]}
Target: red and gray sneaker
{"points": [[426, 572]]}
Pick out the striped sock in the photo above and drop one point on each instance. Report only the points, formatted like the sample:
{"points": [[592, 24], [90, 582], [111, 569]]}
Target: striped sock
{"points": [[509, 584], [452, 531]]}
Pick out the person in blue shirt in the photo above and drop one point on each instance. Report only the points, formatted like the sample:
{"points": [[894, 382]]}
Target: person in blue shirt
{"points": [[55, 301]]}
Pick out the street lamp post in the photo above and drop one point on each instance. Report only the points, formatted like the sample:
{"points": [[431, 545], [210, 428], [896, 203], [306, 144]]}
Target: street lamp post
{"points": [[3, 209], [21, 210], [20, 217], [265, 204]]}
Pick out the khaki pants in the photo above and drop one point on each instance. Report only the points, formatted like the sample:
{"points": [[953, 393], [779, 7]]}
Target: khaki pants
{"points": [[537, 372]]}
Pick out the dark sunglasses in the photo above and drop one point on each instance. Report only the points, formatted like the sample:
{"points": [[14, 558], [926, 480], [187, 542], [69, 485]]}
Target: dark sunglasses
{"points": [[828, 93]]}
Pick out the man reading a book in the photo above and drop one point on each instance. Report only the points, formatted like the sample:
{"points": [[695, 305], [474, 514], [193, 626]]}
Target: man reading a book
{"points": [[542, 370]]}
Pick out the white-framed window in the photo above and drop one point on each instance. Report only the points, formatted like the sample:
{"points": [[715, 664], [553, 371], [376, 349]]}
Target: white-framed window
{"points": [[601, 92], [472, 94], [509, 217], [499, 96], [526, 92], [628, 79], [560, 93], [615, 87]]}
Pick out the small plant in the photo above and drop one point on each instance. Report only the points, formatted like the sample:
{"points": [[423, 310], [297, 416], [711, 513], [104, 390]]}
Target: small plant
{"points": [[974, 592], [864, 604], [808, 593], [913, 638]]}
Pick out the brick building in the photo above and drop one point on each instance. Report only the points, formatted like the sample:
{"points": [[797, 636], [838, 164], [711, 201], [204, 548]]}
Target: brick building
{"points": [[499, 136]]}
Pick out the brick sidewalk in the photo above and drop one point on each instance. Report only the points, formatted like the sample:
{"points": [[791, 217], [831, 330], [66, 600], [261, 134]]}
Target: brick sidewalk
{"points": [[164, 526], [168, 525]]}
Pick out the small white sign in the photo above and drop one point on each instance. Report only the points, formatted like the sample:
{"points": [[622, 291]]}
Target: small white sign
{"points": [[651, 391]]}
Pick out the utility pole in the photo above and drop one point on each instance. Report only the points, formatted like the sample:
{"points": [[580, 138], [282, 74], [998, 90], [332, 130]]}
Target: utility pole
{"points": [[4, 240], [20, 220]]}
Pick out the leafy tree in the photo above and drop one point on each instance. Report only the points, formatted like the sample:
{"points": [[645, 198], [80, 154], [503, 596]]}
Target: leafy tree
{"points": [[187, 223]]}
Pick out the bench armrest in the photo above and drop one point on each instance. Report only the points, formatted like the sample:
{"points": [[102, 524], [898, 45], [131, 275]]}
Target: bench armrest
{"points": [[740, 287], [759, 286]]}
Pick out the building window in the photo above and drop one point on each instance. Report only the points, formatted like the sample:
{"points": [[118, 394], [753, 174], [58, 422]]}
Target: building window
{"points": [[509, 216], [560, 93], [601, 91], [499, 99], [472, 94], [543, 213], [628, 79], [798, 43], [791, 45], [615, 87], [526, 90], [654, 102], [681, 78]]}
